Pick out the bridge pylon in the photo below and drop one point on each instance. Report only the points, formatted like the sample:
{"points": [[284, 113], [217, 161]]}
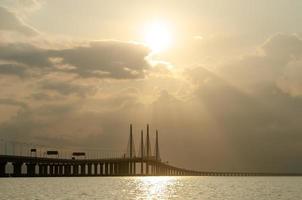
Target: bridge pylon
{"points": [[131, 146], [157, 155], [148, 144]]}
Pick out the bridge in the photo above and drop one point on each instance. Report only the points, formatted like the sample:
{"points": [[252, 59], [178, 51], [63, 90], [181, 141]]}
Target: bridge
{"points": [[30, 160], [37, 161]]}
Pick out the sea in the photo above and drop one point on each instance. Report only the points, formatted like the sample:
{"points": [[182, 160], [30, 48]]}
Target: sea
{"points": [[201, 188]]}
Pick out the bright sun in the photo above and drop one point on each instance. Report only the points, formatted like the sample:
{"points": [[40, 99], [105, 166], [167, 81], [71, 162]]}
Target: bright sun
{"points": [[157, 36]]}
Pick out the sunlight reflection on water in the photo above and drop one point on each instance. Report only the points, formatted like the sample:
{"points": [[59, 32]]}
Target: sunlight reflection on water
{"points": [[200, 188], [155, 187]]}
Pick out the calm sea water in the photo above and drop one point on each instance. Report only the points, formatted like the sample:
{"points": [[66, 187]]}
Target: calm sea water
{"points": [[214, 188]]}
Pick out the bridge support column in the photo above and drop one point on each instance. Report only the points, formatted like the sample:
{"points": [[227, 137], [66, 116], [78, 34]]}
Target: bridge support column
{"points": [[157, 170], [130, 166], [101, 169], [153, 170], [134, 168], [17, 169], [127, 170], [111, 168], [142, 167], [56, 168], [67, 170], [83, 169], [147, 168], [31, 169], [106, 169], [116, 169], [41, 170], [45, 169], [95, 165], [123, 168], [89, 169], [96, 169], [51, 170], [61, 172], [2, 169], [75, 170]]}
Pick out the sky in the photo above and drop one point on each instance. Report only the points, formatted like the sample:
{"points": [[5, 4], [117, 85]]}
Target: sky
{"points": [[220, 80]]}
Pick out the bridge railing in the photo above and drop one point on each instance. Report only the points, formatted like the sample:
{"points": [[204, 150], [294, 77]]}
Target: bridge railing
{"points": [[15, 148]]}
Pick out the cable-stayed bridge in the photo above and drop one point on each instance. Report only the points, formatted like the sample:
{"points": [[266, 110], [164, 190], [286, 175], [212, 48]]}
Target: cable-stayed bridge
{"points": [[19, 159], [33, 160]]}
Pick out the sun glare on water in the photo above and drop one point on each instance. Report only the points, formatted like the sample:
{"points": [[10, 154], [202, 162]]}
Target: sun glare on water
{"points": [[157, 36]]}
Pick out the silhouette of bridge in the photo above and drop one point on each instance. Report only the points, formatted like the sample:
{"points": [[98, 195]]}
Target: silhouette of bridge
{"points": [[39, 161], [30, 160]]}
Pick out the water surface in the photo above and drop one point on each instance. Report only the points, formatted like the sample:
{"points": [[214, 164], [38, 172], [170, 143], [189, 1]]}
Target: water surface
{"points": [[201, 188]]}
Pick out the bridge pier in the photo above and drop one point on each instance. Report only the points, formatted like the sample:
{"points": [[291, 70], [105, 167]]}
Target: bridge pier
{"points": [[42, 170], [45, 169], [110, 168], [56, 168], [97, 168], [102, 169], [2, 169], [106, 169], [124, 168], [115, 169], [93, 168], [142, 167], [31, 169], [61, 168], [67, 170], [75, 170], [130, 167], [152, 169], [51, 169], [17, 169], [83, 169], [89, 170], [147, 168], [135, 168]]}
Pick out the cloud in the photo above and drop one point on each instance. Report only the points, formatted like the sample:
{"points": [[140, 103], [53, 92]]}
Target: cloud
{"points": [[7, 101], [273, 65], [10, 22], [107, 59], [102, 59], [12, 69], [66, 88], [291, 80], [252, 129], [283, 47], [26, 54]]}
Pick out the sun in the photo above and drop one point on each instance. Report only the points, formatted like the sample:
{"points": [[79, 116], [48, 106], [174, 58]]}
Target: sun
{"points": [[157, 36]]}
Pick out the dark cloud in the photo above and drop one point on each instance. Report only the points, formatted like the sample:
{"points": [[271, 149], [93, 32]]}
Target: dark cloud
{"points": [[10, 22], [13, 102], [107, 59], [25, 54], [66, 88], [103, 59], [12, 69]]}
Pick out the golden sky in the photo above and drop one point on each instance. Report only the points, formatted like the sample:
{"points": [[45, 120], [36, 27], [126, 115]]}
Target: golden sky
{"points": [[221, 80]]}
